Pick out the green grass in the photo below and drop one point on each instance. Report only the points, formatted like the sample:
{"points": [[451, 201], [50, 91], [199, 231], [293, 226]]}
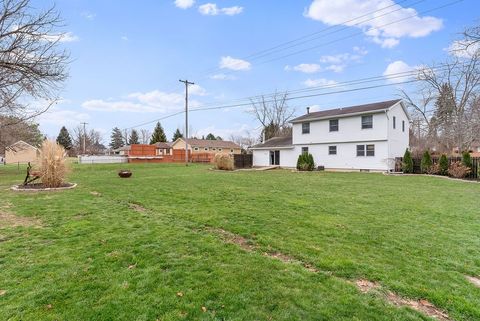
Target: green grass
{"points": [[417, 236]]}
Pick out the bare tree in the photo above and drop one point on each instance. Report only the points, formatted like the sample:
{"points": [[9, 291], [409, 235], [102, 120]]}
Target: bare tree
{"points": [[145, 135], [32, 67], [273, 114], [448, 110], [244, 141], [93, 141]]}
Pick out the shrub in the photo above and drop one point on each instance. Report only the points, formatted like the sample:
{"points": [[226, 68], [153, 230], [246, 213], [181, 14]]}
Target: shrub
{"points": [[443, 163], [467, 159], [53, 168], [407, 163], [426, 162], [434, 169], [305, 162], [458, 170], [223, 162]]}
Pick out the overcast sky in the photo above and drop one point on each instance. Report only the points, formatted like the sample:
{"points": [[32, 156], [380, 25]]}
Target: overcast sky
{"points": [[127, 56]]}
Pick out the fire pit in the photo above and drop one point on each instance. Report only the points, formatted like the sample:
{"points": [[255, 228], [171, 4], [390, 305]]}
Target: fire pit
{"points": [[124, 173]]}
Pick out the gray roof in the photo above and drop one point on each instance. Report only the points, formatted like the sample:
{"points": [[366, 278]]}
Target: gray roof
{"points": [[126, 147], [212, 143], [372, 107], [275, 142]]}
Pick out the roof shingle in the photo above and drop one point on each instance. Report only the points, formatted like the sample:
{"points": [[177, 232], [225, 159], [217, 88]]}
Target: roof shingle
{"points": [[275, 142], [347, 110]]}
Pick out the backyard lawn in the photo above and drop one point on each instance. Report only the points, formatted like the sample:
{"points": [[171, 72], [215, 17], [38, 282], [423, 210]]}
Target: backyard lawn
{"points": [[188, 243]]}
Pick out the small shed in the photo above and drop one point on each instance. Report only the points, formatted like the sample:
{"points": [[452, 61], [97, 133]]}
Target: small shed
{"points": [[21, 152]]}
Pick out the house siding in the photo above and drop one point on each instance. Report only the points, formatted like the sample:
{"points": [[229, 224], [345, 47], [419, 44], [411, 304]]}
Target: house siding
{"points": [[389, 142]]}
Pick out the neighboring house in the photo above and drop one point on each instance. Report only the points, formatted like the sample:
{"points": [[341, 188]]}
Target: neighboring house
{"points": [[162, 149], [207, 146], [122, 151], [364, 137], [21, 152]]}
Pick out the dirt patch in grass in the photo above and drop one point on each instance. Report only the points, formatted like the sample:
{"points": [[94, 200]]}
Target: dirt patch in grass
{"points": [[8, 219], [420, 305], [365, 286], [249, 246], [474, 280], [423, 306], [137, 207], [95, 193]]}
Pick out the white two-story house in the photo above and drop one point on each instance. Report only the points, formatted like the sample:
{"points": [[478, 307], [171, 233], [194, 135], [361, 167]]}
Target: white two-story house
{"points": [[364, 137]]}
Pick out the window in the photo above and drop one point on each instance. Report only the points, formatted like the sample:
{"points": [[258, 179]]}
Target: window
{"points": [[366, 150], [334, 125], [231, 150], [360, 150], [394, 122], [206, 148], [332, 150], [305, 128], [304, 150], [367, 122], [219, 149], [195, 149], [214, 148], [403, 126], [370, 150]]}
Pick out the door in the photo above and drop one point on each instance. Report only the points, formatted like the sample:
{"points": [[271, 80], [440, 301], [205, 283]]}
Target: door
{"points": [[274, 157]]}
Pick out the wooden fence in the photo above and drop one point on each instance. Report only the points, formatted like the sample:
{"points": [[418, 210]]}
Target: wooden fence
{"points": [[417, 161], [243, 160]]}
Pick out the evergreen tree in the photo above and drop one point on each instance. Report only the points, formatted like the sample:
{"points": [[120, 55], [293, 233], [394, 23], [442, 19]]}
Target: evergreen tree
{"points": [[426, 162], [443, 164], [158, 135], [467, 159], [407, 164], [211, 136], [116, 138], [134, 138], [64, 139], [218, 138], [176, 135]]}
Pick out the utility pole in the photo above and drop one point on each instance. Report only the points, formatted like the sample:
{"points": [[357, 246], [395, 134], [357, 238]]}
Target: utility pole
{"points": [[84, 138], [186, 82]]}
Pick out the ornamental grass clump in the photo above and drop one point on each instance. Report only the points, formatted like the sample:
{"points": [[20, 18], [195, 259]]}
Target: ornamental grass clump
{"points": [[458, 170], [223, 162], [52, 162]]}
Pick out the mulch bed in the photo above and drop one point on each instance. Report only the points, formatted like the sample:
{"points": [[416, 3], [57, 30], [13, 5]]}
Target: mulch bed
{"points": [[40, 187]]}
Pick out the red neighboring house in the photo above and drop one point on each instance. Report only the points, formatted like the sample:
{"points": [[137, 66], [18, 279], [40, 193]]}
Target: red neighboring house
{"points": [[161, 153]]}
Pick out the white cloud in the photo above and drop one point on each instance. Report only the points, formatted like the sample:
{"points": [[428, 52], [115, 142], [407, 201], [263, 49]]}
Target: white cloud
{"points": [[88, 15], [305, 68], [184, 4], [375, 22], [336, 63], [234, 64], [152, 101], [463, 49], [63, 37], [222, 77], [396, 67], [62, 117], [124, 38], [319, 82], [211, 9], [197, 90]]}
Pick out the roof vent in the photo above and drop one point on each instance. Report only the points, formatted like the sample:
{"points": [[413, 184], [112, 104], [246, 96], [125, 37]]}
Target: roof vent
{"points": [[308, 110]]}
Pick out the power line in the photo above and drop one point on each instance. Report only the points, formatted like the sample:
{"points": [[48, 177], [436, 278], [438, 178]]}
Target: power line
{"points": [[209, 72], [230, 103]]}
